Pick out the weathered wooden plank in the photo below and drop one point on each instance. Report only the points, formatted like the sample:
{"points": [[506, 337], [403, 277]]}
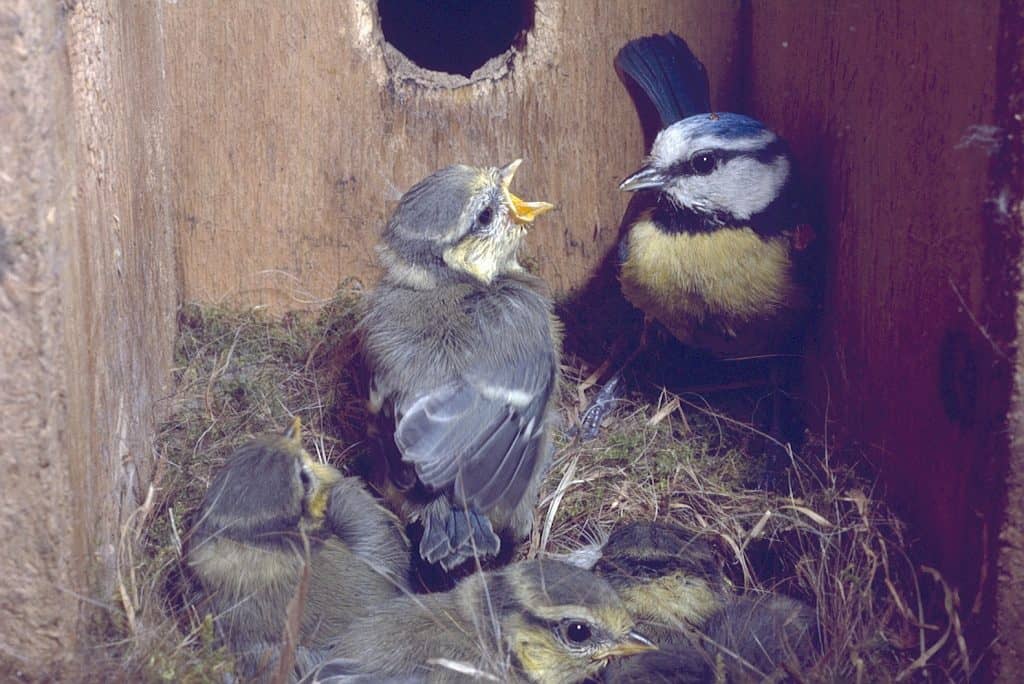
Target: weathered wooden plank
{"points": [[87, 297], [292, 138]]}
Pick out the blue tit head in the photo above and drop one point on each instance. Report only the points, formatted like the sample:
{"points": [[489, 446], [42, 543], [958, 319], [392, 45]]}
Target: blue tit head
{"points": [[725, 168], [268, 488], [461, 219]]}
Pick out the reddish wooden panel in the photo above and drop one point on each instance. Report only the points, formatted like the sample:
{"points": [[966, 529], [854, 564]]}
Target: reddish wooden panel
{"points": [[890, 108]]}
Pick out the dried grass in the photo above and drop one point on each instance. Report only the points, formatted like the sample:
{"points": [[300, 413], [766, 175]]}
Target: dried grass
{"points": [[829, 542]]}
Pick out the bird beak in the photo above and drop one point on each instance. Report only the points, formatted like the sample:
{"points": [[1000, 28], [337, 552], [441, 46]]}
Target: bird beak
{"points": [[521, 212], [633, 644], [294, 431], [647, 177]]}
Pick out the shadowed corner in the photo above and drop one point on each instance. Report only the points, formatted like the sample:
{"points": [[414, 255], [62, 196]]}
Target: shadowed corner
{"points": [[596, 315], [431, 577]]}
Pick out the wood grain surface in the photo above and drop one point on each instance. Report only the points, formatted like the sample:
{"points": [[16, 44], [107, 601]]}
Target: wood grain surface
{"points": [[87, 312], [892, 111], [295, 128]]}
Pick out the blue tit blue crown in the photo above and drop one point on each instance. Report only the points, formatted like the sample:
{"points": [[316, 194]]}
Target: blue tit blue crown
{"points": [[709, 169], [726, 125]]}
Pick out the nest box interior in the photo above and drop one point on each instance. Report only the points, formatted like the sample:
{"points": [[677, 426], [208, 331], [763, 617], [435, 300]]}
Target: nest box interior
{"points": [[162, 153]]}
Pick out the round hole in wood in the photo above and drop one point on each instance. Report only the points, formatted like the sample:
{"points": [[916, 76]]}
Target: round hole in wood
{"points": [[455, 36]]}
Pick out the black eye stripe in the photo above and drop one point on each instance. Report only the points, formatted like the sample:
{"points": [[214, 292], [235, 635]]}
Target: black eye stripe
{"points": [[766, 155], [307, 479]]}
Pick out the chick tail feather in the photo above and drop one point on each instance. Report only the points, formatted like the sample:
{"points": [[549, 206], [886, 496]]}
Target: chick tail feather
{"points": [[454, 535], [669, 74]]}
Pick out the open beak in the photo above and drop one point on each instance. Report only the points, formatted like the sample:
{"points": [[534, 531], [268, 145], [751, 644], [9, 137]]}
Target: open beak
{"points": [[521, 212], [633, 644], [646, 177]]}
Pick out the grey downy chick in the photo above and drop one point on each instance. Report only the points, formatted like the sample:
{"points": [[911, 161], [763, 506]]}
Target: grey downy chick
{"points": [[757, 638], [463, 349], [670, 580], [540, 621], [271, 513]]}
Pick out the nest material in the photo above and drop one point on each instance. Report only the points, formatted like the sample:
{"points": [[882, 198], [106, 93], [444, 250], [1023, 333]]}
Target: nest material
{"points": [[829, 542]]}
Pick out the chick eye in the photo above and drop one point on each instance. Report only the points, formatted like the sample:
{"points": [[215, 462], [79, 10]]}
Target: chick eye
{"points": [[577, 632], [485, 216], [307, 479], [702, 163]]}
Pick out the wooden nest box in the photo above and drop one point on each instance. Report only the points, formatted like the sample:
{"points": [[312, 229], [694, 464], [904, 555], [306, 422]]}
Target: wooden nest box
{"points": [[155, 153]]}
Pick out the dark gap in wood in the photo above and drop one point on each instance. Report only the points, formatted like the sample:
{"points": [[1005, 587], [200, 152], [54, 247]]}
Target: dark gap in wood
{"points": [[455, 36]]}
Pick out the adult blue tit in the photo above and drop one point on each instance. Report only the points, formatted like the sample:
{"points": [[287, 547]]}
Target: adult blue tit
{"points": [[539, 621], [463, 349], [713, 260], [278, 528], [718, 248]]}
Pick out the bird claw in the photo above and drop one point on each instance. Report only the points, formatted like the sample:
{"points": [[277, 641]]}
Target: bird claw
{"points": [[590, 422]]}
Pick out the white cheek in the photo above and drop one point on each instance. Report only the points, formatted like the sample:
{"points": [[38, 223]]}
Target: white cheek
{"points": [[690, 192], [751, 186], [742, 187]]}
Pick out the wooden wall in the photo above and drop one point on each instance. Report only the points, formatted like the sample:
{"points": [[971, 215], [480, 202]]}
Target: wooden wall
{"points": [[893, 110], [1007, 186], [87, 299], [292, 139]]}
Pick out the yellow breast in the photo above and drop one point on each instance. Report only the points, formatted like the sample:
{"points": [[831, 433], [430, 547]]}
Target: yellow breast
{"points": [[683, 278]]}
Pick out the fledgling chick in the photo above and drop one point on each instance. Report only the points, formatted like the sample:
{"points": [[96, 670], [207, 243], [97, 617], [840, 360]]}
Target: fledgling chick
{"points": [[717, 250], [670, 581], [539, 621], [268, 512], [666, 575], [463, 349], [672, 584], [755, 638]]}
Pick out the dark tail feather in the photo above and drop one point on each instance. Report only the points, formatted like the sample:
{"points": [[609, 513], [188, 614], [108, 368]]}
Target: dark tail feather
{"points": [[669, 73]]}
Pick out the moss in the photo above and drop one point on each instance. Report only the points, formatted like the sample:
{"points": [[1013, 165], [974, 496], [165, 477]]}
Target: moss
{"points": [[243, 372]]}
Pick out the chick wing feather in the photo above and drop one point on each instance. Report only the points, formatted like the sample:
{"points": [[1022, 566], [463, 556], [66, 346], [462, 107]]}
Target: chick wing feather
{"points": [[483, 435]]}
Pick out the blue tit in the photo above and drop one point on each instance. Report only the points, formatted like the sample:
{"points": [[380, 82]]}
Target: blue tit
{"points": [[273, 516], [714, 258], [670, 580], [717, 249], [758, 638], [747, 640], [667, 576], [539, 621], [463, 349]]}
